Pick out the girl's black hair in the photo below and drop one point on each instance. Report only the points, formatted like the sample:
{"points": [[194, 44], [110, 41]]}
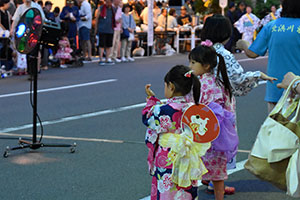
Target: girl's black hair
{"points": [[290, 8], [183, 84], [208, 56], [217, 29]]}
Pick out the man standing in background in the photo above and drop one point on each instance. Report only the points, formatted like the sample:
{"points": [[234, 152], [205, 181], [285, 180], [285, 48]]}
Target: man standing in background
{"points": [[117, 6], [84, 26]]}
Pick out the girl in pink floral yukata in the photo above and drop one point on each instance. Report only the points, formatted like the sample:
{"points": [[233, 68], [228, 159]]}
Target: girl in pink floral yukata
{"points": [[164, 119], [214, 89]]}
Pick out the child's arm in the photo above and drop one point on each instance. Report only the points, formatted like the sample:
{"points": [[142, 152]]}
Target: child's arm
{"points": [[151, 102], [265, 77]]}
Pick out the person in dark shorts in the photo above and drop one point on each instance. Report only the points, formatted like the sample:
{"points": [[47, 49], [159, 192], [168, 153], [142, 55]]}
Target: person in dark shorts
{"points": [[105, 23]]}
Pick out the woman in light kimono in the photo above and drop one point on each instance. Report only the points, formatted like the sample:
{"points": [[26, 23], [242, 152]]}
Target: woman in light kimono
{"points": [[270, 17], [247, 25]]}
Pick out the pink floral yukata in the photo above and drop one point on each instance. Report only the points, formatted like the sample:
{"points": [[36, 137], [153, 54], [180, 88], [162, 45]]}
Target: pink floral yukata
{"points": [[211, 91], [164, 118]]}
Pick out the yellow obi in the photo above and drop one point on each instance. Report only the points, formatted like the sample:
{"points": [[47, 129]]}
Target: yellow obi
{"points": [[185, 155]]}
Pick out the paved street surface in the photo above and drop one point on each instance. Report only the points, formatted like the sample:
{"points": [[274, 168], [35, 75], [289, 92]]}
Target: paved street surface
{"points": [[99, 108]]}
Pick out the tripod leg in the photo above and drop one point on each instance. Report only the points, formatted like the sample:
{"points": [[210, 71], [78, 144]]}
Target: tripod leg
{"points": [[8, 149], [72, 146]]}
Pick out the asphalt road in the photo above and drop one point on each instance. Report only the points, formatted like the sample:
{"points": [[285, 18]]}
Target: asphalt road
{"points": [[99, 108]]}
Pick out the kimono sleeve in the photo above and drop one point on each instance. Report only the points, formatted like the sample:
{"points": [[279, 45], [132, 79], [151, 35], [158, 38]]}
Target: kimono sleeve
{"points": [[241, 82], [160, 118], [240, 24]]}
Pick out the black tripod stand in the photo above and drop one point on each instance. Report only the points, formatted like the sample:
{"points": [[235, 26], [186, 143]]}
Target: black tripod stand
{"points": [[33, 143]]}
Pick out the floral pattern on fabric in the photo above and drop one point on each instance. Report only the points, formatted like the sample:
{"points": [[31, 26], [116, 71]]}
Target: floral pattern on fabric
{"points": [[164, 118], [215, 161]]}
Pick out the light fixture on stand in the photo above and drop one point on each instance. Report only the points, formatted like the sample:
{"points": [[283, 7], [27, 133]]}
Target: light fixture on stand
{"points": [[27, 41]]}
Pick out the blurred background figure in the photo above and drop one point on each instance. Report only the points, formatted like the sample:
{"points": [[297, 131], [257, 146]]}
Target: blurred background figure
{"points": [[247, 25], [189, 5], [230, 45], [69, 17], [184, 18], [270, 17], [84, 26], [115, 51]]}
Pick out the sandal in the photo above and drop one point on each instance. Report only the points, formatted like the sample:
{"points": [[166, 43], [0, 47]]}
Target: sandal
{"points": [[227, 190], [204, 182]]}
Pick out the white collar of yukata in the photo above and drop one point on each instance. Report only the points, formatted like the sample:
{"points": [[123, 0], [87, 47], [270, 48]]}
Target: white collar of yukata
{"points": [[177, 99], [218, 46]]}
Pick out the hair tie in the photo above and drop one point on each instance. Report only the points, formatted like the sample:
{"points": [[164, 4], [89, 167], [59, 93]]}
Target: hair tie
{"points": [[207, 43], [188, 74]]}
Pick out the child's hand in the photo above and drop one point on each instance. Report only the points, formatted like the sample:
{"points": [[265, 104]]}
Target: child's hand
{"points": [[265, 77], [149, 92]]}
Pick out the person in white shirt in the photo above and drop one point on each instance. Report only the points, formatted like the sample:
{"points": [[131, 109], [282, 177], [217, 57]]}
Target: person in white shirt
{"points": [[22, 9], [84, 26], [172, 20], [161, 21]]}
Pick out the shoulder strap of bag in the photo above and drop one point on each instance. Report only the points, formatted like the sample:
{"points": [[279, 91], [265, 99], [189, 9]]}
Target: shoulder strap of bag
{"points": [[283, 98]]}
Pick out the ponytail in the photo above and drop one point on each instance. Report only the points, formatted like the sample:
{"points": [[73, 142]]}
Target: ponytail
{"points": [[196, 89], [224, 80]]}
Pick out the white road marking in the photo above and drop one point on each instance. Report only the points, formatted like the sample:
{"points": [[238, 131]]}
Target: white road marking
{"points": [[59, 88], [76, 117], [69, 138], [239, 167], [252, 59]]}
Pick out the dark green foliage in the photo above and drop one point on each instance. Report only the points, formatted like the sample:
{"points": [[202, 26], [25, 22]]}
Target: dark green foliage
{"points": [[262, 9]]}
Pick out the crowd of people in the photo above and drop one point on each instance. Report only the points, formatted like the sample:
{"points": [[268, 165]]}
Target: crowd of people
{"points": [[108, 29]]}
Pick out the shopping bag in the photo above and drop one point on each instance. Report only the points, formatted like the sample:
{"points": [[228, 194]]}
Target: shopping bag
{"points": [[275, 154]]}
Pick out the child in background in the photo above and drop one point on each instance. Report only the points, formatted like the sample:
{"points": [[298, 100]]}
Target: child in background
{"points": [[64, 51], [165, 118], [214, 88]]}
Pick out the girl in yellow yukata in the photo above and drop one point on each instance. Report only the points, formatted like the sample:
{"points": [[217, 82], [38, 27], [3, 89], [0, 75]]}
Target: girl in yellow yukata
{"points": [[247, 25], [168, 143]]}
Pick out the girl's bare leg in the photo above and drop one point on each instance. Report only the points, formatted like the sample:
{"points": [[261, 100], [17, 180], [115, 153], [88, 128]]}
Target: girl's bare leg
{"points": [[219, 189]]}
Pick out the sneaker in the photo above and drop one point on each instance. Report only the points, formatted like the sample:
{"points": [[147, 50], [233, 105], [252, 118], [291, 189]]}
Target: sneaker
{"points": [[130, 59], [123, 59], [109, 62], [63, 66], [117, 60], [88, 59], [101, 62]]}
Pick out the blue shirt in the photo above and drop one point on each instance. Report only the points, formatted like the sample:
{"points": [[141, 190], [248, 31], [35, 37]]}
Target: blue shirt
{"points": [[282, 38], [71, 24]]}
